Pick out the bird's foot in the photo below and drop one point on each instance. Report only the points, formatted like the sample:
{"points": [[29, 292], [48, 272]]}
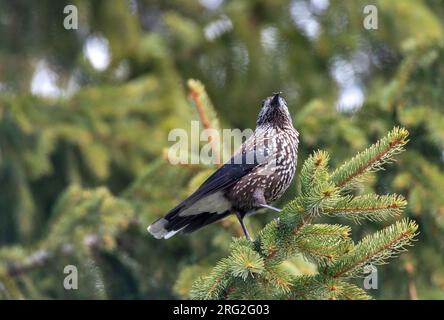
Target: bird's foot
{"points": [[270, 207]]}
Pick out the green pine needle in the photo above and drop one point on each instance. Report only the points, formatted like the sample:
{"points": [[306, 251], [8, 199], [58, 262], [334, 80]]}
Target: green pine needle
{"points": [[245, 262], [314, 171], [371, 207], [371, 159], [375, 249], [347, 291], [316, 188]]}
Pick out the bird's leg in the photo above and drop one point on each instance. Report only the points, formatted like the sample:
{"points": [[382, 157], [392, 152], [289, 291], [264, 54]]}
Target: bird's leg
{"points": [[244, 228], [270, 207]]}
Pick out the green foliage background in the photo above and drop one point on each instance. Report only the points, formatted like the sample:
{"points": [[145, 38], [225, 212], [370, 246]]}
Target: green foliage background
{"points": [[83, 171]]}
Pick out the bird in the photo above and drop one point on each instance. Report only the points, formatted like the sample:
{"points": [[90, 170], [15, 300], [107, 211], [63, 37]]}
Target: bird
{"points": [[257, 174]]}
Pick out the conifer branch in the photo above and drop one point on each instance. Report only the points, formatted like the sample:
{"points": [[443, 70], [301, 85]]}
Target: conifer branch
{"points": [[206, 112], [409, 268], [324, 243], [278, 279], [371, 159], [35, 260], [347, 291], [316, 189], [371, 207], [243, 262], [316, 287], [376, 249], [96, 204], [212, 286], [305, 287]]}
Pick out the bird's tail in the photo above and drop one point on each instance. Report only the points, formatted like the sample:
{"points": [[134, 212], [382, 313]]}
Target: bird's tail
{"points": [[169, 225], [158, 230]]}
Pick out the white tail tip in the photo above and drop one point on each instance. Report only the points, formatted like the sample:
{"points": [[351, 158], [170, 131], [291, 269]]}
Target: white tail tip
{"points": [[157, 229]]}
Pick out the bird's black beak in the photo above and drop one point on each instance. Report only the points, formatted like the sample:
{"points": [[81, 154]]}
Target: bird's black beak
{"points": [[275, 100]]}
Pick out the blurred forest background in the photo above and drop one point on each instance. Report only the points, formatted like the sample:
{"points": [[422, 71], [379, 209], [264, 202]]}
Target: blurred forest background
{"points": [[85, 116]]}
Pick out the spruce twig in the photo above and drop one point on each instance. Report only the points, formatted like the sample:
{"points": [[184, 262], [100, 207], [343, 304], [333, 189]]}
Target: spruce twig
{"points": [[371, 159], [203, 107], [376, 249], [371, 207]]}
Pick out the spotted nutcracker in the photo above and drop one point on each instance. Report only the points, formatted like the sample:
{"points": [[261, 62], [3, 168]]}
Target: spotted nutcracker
{"points": [[256, 175]]}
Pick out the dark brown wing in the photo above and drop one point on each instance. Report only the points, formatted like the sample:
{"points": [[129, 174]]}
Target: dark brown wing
{"points": [[250, 155]]}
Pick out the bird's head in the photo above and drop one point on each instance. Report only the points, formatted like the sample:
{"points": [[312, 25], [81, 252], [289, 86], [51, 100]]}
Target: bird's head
{"points": [[274, 112]]}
